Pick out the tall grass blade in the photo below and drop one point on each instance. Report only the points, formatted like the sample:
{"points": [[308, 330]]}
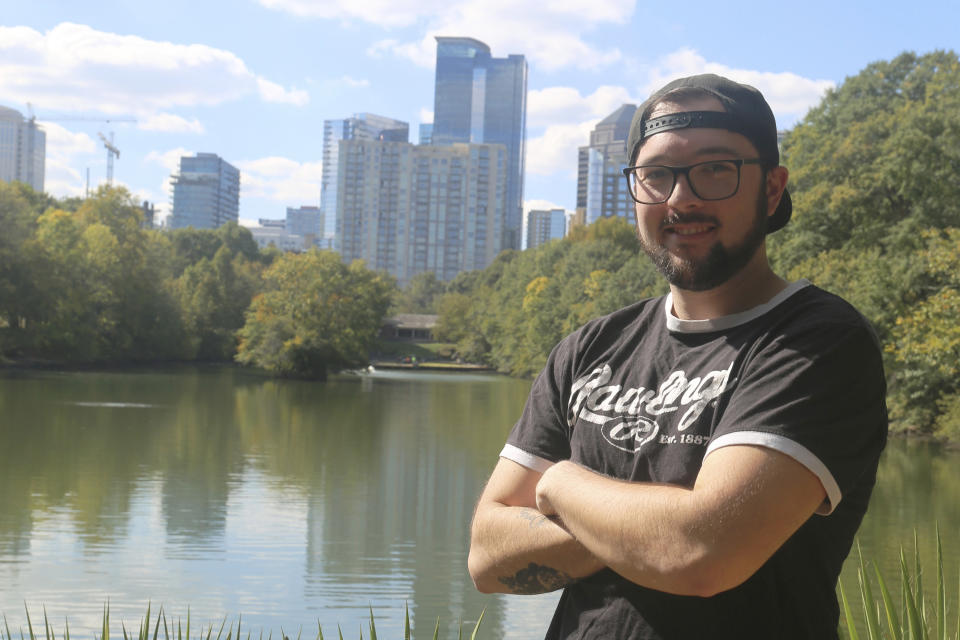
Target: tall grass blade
{"points": [[941, 591], [918, 573], [406, 621], [188, 623], [222, 625], [436, 629], [913, 616], [166, 631], [145, 624], [473, 636], [871, 610], [460, 629], [7, 627], [46, 624], [239, 620], [340, 631], [156, 628], [66, 629], [123, 628], [29, 624], [893, 623], [373, 627], [848, 614], [319, 631]]}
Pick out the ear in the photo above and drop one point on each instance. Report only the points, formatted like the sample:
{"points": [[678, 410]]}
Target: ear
{"points": [[776, 184]]}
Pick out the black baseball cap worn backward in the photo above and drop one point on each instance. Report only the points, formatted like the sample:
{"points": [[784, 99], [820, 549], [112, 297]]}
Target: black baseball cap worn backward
{"points": [[745, 112]]}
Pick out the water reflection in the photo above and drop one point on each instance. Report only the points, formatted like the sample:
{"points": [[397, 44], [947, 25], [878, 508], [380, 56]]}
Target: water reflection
{"points": [[291, 501]]}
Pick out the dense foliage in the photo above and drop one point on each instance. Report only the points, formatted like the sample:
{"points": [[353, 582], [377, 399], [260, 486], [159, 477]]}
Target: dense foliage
{"points": [[315, 315], [81, 281]]}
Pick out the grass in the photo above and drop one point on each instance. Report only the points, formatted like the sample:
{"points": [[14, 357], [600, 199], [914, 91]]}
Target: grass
{"points": [[182, 632], [916, 616]]}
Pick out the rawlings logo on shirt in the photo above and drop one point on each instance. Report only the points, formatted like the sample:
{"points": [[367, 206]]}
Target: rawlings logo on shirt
{"points": [[618, 410]]}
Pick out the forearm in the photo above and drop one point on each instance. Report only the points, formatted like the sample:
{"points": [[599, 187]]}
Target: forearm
{"points": [[745, 504], [517, 549], [642, 534]]}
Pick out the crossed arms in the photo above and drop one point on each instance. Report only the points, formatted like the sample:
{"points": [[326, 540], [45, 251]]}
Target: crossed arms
{"points": [[534, 532]]}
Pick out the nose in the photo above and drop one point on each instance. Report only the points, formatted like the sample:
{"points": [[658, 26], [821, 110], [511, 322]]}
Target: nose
{"points": [[682, 196]]}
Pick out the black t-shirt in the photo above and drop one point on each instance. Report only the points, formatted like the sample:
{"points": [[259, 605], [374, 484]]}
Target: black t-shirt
{"points": [[641, 395]]}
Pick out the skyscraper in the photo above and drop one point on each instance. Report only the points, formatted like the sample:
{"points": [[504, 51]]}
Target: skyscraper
{"points": [[482, 99], [23, 149], [601, 188], [544, 225], [206, 192], [406, 209], [362, 126]]}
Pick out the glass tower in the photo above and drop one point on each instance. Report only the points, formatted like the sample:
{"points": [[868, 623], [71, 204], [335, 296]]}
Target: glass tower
{"points": [[206, 192], [601, 189], [483, 100], [23, 148]]}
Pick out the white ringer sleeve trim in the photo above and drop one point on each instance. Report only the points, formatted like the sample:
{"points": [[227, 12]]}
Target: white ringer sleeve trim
{"points": [[791, 448], [524, 459]]}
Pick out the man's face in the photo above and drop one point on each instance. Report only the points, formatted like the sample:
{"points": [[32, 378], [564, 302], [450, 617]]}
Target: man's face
{"points": [[697, 244]]}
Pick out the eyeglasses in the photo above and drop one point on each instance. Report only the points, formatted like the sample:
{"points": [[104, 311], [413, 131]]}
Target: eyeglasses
{"points": [[711, 180]]}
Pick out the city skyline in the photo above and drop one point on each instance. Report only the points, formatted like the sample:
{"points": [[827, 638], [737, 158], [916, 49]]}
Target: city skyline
{"points": [[258, 92]]}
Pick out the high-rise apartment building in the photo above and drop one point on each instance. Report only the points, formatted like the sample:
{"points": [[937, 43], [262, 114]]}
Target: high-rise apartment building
{"points": [[483, 100], [306, 222], [601, 188], [23, 149], [544, 225], [206, 192], [361, 126], [406, 209]]}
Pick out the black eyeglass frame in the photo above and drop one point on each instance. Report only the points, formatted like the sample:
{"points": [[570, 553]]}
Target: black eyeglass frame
{"points": [[685, 171]]}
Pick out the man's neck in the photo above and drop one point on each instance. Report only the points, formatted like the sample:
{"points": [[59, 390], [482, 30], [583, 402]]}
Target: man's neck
{"points": [[753, 285]]}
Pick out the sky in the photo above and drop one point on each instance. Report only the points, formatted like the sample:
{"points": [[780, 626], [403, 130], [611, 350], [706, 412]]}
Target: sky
{"points": [[253, 80]]}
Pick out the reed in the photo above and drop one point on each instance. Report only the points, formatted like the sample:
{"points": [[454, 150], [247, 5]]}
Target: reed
{"points": [[167, 630], [915, 616]]}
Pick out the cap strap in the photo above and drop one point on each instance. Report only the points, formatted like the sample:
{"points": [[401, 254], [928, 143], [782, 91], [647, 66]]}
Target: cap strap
{"points": [[692, 119]]}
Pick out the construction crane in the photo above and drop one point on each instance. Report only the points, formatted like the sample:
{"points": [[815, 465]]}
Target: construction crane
{"points": [[111, 152]]}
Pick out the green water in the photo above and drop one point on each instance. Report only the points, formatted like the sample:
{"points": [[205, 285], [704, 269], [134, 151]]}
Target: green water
{"points": [[291, 502]]}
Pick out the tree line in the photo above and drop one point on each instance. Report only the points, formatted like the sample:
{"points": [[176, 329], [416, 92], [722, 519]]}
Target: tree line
{"points": [[81, 281], [875, 180]]}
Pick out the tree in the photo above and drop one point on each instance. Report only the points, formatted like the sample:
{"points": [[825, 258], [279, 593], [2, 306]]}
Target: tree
{"points": [[316, 315], [874, 177], [420, 295]]}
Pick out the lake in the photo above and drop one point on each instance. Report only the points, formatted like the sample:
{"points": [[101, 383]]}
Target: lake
{"points": [[291, 502]]}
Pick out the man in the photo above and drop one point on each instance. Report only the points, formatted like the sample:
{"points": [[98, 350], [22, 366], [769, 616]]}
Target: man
{"points": [[694, 466]]}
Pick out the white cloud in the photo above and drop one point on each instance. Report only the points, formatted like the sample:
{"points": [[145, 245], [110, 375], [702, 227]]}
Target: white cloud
{"points": [[74, 67], [357, 83], [169, 160], [551, 32], [169, 123], [426, 115], [790, 95], [556, 149], [540, 205], [64, 149], [284, 180], [555, 105]]}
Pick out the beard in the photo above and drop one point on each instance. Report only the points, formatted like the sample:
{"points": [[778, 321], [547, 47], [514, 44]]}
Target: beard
{"points": [[720, 264]]}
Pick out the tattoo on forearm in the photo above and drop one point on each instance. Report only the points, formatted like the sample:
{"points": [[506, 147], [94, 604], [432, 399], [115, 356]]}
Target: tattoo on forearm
{"points": [[536, 578], [534, 517]]}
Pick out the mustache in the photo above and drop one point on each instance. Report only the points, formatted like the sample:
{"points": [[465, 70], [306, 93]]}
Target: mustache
{"points": [[688, 218]]}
